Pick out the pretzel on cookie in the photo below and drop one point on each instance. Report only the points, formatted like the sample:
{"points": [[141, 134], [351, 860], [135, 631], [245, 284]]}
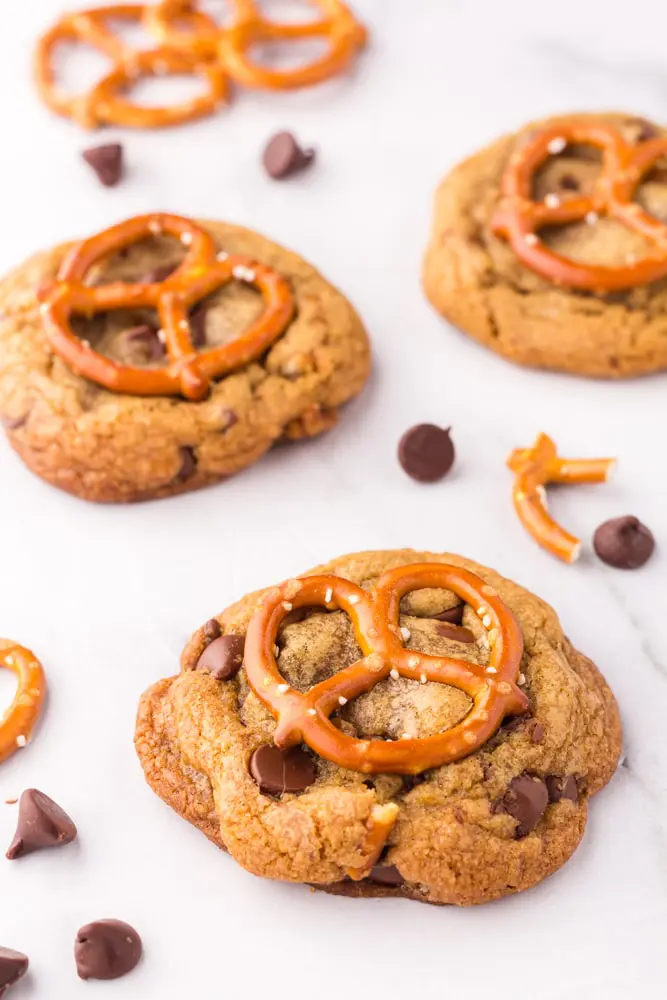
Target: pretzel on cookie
{"points": [[534, 468], [305, 717], [203, 271], [519, 218], [18, 722]]}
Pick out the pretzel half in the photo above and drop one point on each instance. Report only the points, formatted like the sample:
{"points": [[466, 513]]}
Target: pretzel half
{"points": [[519, 219], [534, 468], [305, 717], [18, 722], [204, 270]]}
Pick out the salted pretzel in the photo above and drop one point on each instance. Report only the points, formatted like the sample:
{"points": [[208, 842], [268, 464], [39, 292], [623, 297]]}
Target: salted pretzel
{"points": [[104, 103], [305, 717], [536, 467], [519, 219], [203, 270], [18, 722]]}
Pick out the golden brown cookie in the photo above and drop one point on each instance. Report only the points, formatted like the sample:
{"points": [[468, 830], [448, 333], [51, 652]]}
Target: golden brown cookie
{"points": [[490, 823], [474, 278], [113, 446]]}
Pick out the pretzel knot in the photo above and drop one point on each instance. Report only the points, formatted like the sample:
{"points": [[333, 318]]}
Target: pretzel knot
{"points": [[305, 718], [203, 271], [18, 721], [519, 219]]}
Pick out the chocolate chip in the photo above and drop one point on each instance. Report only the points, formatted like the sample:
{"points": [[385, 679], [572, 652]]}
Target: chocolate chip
{"points": [[188, 465], [454, 632], [568, 182], [146, 336], [536, 732], [411, 781], [106, 949], [13, 423], [13, 965], [212, 629], [643, 129], [41, 823], [223, 658], [283, 156], [106, 161], [513, 722], [386, 875], [277, 771], [198, 324], [453, 615], [562, 788], [426, 452], [525, 799], [158, 274], [624, 542]]}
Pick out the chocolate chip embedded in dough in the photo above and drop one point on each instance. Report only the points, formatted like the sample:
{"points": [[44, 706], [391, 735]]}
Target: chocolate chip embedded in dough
{"points": [[386, 875], [453, 615], [283, 156], [568, 182], [223, 658], [158, 274], [147, 337], [525, 799], [624, 542], [106, 949], [562, 788], [106, 161], [41, 823], [277, 771], [536, 732], [188, 465], [426, 452], [13, 965], [454, 632], [198, 324]]}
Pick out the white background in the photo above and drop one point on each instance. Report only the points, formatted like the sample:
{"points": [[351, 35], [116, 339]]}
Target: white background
{"points": [[107, 596]]}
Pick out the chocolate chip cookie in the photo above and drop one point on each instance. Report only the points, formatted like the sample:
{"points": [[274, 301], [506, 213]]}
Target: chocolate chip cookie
{"points": [[457, 768], [79, 433], [587, 292]]}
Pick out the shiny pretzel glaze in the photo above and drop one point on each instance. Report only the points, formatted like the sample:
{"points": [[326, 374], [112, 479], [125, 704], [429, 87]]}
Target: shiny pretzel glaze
{"points": [[305, 718], [104, 103], [519, 219], [18, 721], [536, 467], [203, 271]]}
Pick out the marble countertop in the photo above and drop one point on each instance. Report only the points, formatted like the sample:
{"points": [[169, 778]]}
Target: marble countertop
{"points": [[107, 596]]}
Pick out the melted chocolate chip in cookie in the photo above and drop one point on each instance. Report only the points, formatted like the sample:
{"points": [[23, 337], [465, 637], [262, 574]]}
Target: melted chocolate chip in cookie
{"points": [[147, 337], [223, 658], [526, 800], [188, 465], [453, 615], [562, 788], [158, 274], [454, 632], [386, 875], [278, 771]]}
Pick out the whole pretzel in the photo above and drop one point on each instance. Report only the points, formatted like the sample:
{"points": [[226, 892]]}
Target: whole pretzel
{"points": [[519, 219], [375, 616], [18, 721], [536, 467], [203, 271], [103, 104]]}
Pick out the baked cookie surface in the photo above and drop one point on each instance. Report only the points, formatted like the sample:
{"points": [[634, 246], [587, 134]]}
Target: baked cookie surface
{"points": [[113, 447], [490, 824], [476, 281]]}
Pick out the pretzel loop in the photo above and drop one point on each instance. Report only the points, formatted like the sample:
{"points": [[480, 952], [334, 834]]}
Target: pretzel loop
{"points": [[305, 718], [519, 218], [203, 271], [18, 722]]}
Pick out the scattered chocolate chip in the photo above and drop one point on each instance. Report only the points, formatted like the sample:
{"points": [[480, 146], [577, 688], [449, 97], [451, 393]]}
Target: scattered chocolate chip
{"points": [[453, 615], [106, 949], [283, 156], [536, 732], [106, 161], [212, 629], [525, 799], [386, 875], [223, 658], [562, 788], [13, 965], [568, 182], [188, 465], [454, 632], [158, 274], [426, 452], [147, 337], [277, 771], [624, 542], [41, 823], [198, 324]]}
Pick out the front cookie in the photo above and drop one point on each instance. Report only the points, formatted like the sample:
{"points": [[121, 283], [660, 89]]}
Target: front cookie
{"points": [[149, 370], [549, 246], [433, 743]]}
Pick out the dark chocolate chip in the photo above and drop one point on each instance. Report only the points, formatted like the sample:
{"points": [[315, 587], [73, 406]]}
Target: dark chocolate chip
{"points": [[283, 156], [147, 337], [228, 419], [223, 658], [568, 182], [454, 632], [212, 629], [624, 542], [277, 771], [525, 799], [106, 161], [158, 274], [13, 965], [188, 465], [411, 781], [644, 129], [41, 823], [198, 324], [536, 732], [106, 949], [512, 722], [562, 788], [426, 452], [386, 875], [453, 615]]}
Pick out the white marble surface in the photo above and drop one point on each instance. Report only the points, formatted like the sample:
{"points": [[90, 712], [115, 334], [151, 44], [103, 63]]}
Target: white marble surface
{"points": [[107, 596]]}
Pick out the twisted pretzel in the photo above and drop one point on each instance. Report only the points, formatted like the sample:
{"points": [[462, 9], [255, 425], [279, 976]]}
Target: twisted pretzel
{"points": [[104, 105], [18, 721], [202, 272], [519, 218], [304, 718], [536, 467]]}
